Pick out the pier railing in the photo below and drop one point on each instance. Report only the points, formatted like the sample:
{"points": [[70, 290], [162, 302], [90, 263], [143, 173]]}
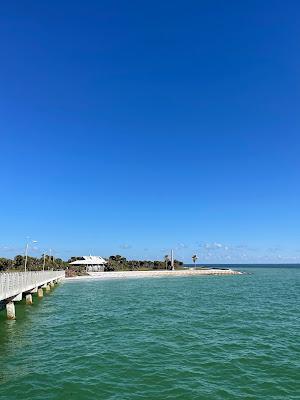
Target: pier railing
{"points": [[14, 283]]}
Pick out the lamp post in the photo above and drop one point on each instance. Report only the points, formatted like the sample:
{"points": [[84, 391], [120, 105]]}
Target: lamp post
{"points": [[44, 261], [26, 252], [26, 256], [51, 258]]}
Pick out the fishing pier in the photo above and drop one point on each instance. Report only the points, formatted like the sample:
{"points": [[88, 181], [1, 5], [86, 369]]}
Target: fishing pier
{"points": [[18, 285]]}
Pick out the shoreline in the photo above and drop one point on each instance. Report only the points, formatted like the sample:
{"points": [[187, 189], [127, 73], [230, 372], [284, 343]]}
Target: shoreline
{"points": [[152, 274]]}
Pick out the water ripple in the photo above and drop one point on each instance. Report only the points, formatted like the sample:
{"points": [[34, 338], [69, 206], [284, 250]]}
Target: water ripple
{"points": [[184, 338]]}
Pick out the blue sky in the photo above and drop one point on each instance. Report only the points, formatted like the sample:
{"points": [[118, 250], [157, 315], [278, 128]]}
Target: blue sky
{"points": [[136, 127]]}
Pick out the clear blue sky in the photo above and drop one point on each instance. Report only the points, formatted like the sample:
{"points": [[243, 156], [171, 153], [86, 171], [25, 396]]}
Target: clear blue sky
{"points": [[135, 126]]}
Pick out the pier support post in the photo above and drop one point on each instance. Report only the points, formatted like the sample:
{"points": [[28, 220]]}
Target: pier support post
{"points": [[10, 310], [52, 284], [28, 298], [47, 287], [40, 292]]}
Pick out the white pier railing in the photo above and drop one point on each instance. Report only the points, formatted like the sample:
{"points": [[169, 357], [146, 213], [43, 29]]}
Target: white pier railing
{"points": [[14, 283]]}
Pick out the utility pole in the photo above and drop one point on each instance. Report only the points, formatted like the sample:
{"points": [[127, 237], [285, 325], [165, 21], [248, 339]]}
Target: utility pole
{"points": [[172, 260]]}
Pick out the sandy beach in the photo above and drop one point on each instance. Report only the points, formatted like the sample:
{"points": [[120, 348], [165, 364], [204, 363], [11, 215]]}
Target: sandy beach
{"points": [[153, 274]]}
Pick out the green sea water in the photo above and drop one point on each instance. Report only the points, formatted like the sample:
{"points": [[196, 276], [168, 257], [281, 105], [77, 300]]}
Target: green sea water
{"points": [[222, 337]]}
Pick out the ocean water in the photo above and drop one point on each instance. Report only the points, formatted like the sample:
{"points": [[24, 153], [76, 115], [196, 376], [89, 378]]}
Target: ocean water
{"points": [[222, 337]]}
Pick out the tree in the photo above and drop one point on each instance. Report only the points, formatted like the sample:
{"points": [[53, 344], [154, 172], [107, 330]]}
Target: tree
{"points": [[5, 263], [19, 261], [108, 268], [156, 265], [194, 258], [166, 258]]}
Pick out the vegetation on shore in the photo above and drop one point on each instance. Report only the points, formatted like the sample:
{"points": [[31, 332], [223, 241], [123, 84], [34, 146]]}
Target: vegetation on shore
{"points": [[33, 263], [119, 263], [114, 263]]}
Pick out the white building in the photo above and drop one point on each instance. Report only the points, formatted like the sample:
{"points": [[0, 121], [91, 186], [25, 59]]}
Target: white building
{"points": [[91, 263]]}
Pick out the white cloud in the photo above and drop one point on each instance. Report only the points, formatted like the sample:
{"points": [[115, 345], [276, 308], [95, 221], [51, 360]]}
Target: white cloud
{"points": [[125, 246], [183, 245], [212, 246]]}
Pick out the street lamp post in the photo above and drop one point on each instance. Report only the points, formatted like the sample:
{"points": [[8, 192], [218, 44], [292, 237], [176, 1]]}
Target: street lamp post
{"points": [[26, 252], [44, 261], [26, 256]]}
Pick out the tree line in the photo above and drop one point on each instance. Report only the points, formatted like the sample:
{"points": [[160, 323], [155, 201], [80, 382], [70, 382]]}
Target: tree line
{"points": [[114, 263], [119, 263], [33, 263]]}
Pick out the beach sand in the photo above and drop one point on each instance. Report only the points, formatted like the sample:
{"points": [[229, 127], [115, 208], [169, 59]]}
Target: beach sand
{"points": [[153, 274]]}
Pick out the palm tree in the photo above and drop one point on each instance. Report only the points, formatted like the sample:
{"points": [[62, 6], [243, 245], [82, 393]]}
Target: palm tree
{"points": [[194, 258]]}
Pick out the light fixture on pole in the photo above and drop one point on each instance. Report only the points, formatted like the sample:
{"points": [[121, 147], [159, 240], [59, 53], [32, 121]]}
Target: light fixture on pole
{"points": [[44, 261], [26, 252]]}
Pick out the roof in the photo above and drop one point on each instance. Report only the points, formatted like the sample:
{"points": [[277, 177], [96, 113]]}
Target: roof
{"points": [[89, 260]]}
